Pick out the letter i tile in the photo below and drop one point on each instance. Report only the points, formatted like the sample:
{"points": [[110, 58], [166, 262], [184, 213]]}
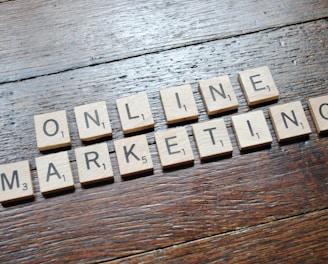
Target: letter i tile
{"points": [[289, 121], [93, 163], [319, 110], [15, 182], [52, 130], [251, 130], [212, 138], [93, 121], [54, 172], [133, 155], [179, 104], [174, 147]]}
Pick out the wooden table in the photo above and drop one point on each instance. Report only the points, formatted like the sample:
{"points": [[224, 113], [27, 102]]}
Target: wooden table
{"points": [[263, 206]]}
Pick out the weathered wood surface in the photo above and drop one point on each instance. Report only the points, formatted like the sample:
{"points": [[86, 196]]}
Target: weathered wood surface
{"points": [[241, 206], [43, 37]]}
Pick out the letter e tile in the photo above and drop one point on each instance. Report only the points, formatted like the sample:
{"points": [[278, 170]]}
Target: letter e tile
{"points": [[289, 121], [319, 110], [93, 163], [133, 155], [93, 121], [179, 104], [174, 147], [218, 95], [258, 85], [52, 130], [212, 138], [15, 182], [251, 130], [54, 172], [135, 113]]}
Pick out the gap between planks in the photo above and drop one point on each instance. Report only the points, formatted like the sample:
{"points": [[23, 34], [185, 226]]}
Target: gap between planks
{"points": [[230, 232], [193, 43]]}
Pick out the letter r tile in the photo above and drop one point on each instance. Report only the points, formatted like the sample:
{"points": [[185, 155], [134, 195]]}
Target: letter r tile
{"points": [[93, 163], [135, 113], [319, 110], [15, 182], [179, 104], [133, 155], [93, 121], [52, 130], [54, 172], [174, 147], [212, 138], [251, 130], [218, 95], [289, 121], [258, 85]]}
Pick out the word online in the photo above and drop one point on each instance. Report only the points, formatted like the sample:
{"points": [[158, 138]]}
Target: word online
{"points": [[173, 145]]}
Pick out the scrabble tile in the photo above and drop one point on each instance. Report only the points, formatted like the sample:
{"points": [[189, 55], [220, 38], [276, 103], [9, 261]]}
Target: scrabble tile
{"points": [[258, 85], [52, 130], [93, 163], [218, 95], [54, 172], [174, 147], [179, 104], [15, 182], [93, 121], [135, 113], [251, 130], [289, 121], [212, 138], [319, 110], [133, 155]]}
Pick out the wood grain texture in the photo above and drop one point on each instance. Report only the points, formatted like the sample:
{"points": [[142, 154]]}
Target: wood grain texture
{"points": [[258, 244], [45, 37], [246, 203]]}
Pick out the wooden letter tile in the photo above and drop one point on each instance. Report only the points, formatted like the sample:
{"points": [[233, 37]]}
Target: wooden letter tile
{"points": [[15, 182], [174, 147], [52, 130], [93, 163], [218, 95], [54, 172], [212, 138], [289, 121], [135, 113], [319, 110], [179, 104], [258, 85], [93, 121], [251, 130], [133, 155]]}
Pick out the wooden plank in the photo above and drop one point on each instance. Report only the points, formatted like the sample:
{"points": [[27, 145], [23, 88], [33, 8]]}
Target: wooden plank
{"points": [[302, 239], [285, 50], [42, 37]]}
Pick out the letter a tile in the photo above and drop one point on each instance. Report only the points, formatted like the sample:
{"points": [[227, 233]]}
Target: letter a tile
{"points": [[319, 110], [218, 95], [179, 104], [93, 163], [258, 85], [251, 130], [15, 182], [133, 155], [52, 130], [174, 147], [289, 121], [93, 121], [212, 138], [54, 172], [135, 113]]}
